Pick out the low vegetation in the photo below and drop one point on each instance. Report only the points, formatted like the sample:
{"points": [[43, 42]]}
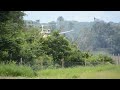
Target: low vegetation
{"points": [[12, 69], [108, 71]]}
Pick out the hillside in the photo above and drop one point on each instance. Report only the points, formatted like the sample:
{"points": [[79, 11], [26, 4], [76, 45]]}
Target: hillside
{"points": [[93, 36]]}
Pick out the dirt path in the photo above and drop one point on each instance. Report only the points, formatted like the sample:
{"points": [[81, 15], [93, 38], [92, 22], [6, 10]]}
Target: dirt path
{"points": [[14, 77]]}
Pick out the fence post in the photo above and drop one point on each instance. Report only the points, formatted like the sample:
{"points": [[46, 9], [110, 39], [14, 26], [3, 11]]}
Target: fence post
{"points": [[20, 60], [85, 62], [118, 58], [41, 64], [62, 63], [114, 59]]}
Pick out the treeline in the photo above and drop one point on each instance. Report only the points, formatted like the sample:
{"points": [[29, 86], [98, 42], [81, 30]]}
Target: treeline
{"points": [[102, 36], [27, 46], [91, 36]]}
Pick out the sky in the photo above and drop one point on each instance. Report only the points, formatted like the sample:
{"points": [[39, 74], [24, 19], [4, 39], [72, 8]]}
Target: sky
{"points": [[81, 16]]}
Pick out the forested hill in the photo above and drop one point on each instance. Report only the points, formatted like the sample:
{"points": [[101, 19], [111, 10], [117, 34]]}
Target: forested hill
{"points": [[90, 36]]}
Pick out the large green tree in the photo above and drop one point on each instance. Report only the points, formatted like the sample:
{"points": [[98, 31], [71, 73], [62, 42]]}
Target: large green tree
{"points": [[56, 46], [11, 24]]}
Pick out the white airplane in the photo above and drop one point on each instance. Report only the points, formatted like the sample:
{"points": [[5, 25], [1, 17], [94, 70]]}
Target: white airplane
{"points": [[46, 32], [66, 32]]}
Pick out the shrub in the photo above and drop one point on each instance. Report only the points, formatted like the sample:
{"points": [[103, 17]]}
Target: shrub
{"points": [[43, 61], [98, 59], [12, 69], [74, 59], [106, 59]]}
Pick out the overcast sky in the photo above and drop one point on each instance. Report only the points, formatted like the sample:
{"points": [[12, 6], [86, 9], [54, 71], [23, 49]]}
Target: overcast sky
{"points": [[81, 16]]}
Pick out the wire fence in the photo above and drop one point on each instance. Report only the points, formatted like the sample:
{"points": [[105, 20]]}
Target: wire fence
{"points": [[62, 64], [116, 58]]}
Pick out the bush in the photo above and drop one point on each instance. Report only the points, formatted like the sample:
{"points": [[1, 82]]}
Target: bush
{"points": [[74, 59], [106, 59], [42, 62], [98, 59], [12, 69]]}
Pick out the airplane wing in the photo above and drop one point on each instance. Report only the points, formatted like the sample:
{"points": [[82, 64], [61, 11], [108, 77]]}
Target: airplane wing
{"points": [[66, 32]]}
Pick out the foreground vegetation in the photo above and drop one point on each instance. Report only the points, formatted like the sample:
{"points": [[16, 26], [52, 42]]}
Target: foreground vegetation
{"points": [[79, 72], [11, 69]]}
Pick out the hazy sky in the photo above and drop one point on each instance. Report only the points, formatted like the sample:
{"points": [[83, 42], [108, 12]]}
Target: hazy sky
{"points": [[81, 16]]}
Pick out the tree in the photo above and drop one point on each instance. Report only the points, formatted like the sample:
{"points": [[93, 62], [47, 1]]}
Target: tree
{"points": [[56, 46], [52, 25], [70, 26], [75, 57], [60, 19], [60, 23], [11, 23]]}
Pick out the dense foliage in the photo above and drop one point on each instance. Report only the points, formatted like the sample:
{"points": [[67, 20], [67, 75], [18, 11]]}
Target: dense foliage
{"points": [[101, 37], [28, 46], [11, 23]]}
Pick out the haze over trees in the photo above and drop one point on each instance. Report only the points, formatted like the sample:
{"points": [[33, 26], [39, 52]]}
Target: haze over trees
{"points": [[91, 36], [24, 51], [26, 45]]}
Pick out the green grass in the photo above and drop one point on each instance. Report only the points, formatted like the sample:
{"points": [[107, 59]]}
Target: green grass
{"points": [[89, 72], [12, 69]]}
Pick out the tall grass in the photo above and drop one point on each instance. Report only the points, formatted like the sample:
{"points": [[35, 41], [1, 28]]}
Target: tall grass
{"points": [[79, 72], [88, 72], [12, 69]]}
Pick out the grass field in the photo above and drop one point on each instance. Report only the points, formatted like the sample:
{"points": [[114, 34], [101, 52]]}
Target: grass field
{"points": [[80, 72], [98, 72]]}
